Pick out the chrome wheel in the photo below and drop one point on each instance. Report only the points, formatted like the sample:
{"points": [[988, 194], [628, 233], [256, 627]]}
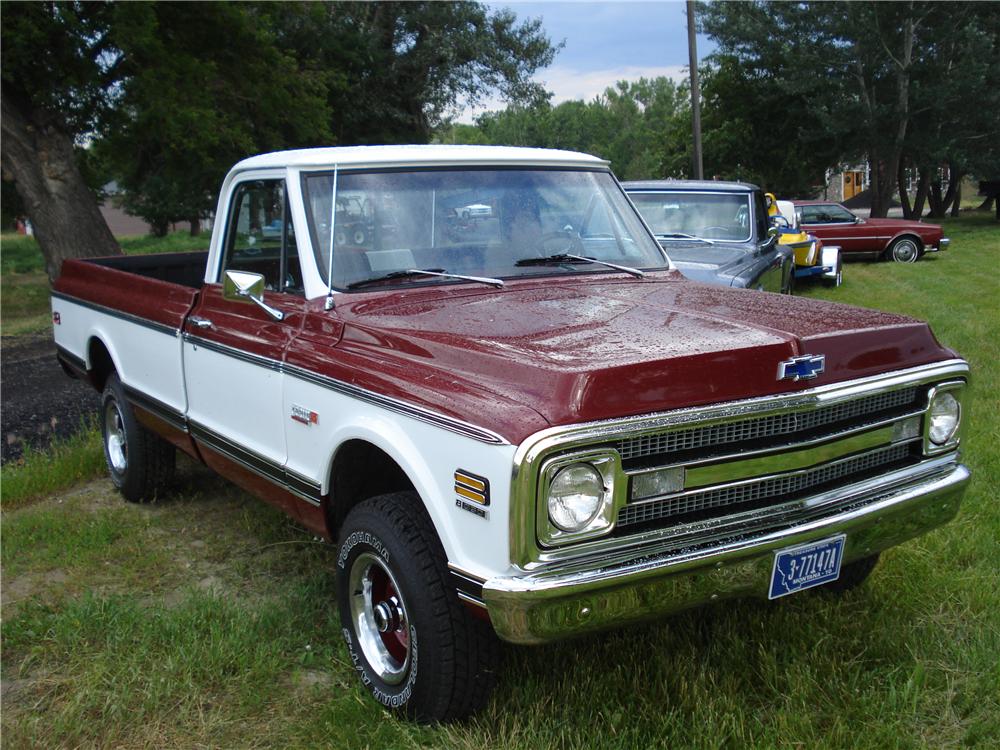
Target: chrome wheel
{"points": [[114, 437], [905, 251], [378, 614]]}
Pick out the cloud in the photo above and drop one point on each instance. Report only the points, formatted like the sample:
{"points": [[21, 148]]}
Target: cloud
{"points": [[567, 84]]}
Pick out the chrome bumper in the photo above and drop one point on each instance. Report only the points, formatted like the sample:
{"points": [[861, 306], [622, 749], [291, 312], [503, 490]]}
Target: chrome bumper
{"points": [[554, 604], [942, 245]]}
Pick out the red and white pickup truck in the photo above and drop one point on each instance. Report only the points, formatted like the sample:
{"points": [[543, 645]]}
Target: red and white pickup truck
{"points": [[519, 422]]}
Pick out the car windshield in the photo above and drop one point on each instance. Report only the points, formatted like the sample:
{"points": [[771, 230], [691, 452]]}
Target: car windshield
{"points": [[711, 216], [477, 222]]}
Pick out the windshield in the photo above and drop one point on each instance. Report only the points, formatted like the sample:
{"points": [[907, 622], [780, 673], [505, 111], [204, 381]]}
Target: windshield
{"points": [[478, 222], [710, 216]]}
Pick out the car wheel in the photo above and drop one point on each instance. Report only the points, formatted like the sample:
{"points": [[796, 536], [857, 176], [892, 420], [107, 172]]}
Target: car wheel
{"points": [[905, 250], [140, 463], [852, 575], [415, 646]]}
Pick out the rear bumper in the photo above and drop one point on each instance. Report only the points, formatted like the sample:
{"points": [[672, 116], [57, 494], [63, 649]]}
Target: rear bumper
{"points": [[554, 604]]}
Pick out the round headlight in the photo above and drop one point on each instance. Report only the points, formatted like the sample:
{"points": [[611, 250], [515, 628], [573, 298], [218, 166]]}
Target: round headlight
{"points": [[944, 415], [575, 497]]}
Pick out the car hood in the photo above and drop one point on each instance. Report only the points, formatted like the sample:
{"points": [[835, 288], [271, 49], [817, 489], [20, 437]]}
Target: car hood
{"points": [[707, 263], [595, 347]]}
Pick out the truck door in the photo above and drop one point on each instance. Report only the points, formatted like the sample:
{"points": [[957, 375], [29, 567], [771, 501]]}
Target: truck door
{"points": [[233, 348]]}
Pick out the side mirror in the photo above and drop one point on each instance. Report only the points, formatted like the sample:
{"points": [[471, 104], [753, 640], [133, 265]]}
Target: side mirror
{"points": [[858, 220], [772, 237], [243, 286]]}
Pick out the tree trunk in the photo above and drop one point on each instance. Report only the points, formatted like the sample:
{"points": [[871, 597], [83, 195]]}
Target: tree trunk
{"points": [[195, 227], [904, 195], [986, 205], [934, 199], [923, 180], [160, 227], [38, 157], [956, 206]]}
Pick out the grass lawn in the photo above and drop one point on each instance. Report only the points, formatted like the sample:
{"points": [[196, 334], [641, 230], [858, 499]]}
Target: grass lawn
{"points": [[207, 619]]}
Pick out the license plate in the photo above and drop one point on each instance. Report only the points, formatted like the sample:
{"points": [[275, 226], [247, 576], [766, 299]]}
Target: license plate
{"points": [[805, 566]]}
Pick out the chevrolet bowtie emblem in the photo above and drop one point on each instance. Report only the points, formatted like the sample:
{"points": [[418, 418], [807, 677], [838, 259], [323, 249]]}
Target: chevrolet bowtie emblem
{"points": [[801, 368]]}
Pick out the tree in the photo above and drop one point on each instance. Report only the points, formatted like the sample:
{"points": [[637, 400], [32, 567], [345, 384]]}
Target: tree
{"points": [[189, 107], [861, 73], [58, 75], [630, 124]]}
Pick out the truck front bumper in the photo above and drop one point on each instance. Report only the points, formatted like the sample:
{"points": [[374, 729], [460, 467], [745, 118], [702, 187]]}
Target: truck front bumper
{"points": [[554, 604], [942, 245]]}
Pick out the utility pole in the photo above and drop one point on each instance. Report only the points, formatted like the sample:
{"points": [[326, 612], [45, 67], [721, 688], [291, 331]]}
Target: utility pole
{"points": [[699, 171]]}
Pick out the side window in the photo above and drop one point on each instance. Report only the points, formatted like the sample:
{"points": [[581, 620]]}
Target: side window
{"points": [[261, 238], [810, 214]]}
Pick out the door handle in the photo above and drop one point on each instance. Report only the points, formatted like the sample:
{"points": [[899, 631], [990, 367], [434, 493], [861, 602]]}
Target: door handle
{"points": [[200, 322]]}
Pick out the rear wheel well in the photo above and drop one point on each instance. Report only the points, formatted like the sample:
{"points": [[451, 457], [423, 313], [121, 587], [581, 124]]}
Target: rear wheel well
{"points": [[101, 364], [360, 471]]}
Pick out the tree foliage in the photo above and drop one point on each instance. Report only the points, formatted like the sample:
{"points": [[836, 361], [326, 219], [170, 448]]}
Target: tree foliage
{"points": [[169, 95], [886, 81], [631, 124]]}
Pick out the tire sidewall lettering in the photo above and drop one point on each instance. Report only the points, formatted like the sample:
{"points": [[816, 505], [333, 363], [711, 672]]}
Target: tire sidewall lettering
{"points": [[361, 537]]}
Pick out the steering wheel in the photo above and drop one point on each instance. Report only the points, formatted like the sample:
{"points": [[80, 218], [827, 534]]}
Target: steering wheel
{"points": [[570, 243]]}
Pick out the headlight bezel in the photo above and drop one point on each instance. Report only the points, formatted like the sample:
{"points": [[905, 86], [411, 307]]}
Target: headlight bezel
{"points": [[953, 388], [607, 463]]}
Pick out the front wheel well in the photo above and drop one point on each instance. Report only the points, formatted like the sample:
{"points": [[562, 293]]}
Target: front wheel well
{"points": [[360, 470]]}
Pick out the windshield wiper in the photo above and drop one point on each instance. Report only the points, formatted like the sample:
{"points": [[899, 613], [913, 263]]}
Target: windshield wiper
{"points": [[569, 257], [682, 236], [424, 272]]}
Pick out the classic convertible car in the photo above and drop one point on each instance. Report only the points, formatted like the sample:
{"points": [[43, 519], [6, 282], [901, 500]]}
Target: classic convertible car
{"points": [[900, 240], [716, 232]]}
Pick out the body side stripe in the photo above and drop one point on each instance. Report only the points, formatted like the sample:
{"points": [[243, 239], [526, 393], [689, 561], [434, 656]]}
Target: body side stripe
{"points": [[425, 415], [160, 327]]}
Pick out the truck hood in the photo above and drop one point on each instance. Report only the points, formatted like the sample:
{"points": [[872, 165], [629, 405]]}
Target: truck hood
{"points": [[593, 347]]}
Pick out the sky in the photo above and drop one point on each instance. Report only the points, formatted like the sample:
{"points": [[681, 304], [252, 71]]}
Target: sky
{"points": [[606, 42]]}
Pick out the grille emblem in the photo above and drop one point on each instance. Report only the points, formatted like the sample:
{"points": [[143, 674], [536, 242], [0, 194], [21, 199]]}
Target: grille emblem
{"points": [[801, 368]]}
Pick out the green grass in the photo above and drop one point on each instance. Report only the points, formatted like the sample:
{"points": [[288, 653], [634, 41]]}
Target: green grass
{"points": [[24, 286], [206, 619], [65, 463]]}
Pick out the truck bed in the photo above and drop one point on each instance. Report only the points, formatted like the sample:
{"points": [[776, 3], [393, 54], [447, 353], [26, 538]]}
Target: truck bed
{"points": [[156, 289]]}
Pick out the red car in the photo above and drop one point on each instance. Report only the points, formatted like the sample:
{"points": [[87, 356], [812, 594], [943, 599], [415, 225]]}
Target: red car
{"points": [[900, 240]]}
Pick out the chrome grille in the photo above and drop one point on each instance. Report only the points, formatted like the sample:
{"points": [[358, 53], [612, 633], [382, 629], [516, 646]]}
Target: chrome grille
{"points": [[761, 428], [785, 487]]}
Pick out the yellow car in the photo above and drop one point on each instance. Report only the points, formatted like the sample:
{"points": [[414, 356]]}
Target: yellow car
{"points": [[812, 257]]}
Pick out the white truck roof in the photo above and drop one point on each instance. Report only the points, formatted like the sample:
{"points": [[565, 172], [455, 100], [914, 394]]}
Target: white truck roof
{"points": [[433, 155]]}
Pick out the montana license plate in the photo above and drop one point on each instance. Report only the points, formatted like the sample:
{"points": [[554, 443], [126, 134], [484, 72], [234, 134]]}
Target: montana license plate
{"points": [[805, 566]]}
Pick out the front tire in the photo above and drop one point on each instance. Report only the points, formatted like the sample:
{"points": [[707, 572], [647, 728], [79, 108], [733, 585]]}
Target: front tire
{"points": [[905, 250], [414, 645], [141, 463]]}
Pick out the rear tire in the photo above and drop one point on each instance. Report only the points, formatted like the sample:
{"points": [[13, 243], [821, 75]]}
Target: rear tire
{"points": [[853, 575], [414, 645], [140, 463]]}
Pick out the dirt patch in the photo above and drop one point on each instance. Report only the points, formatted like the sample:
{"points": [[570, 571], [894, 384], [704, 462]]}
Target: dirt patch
{"points": [[39, 400]]}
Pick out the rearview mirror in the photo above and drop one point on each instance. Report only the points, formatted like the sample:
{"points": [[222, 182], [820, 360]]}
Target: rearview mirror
{"points": [[244, 286]]}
